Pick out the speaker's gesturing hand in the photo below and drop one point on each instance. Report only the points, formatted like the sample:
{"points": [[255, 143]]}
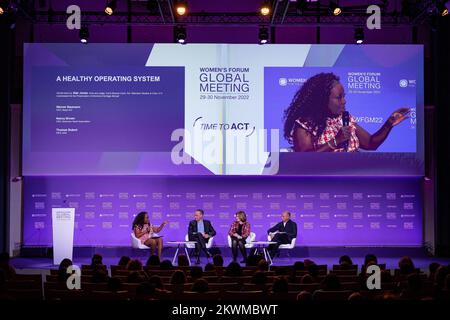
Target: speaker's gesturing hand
{"points": [[399, 116]]}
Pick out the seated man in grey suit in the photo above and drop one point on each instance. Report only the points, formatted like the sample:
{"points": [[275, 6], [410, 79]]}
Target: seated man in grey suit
{"points": [[282, 233], [200, 231]]}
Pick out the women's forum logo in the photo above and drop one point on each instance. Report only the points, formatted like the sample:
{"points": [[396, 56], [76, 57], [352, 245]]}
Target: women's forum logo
{"points": [[291, 81], [403, 83]]}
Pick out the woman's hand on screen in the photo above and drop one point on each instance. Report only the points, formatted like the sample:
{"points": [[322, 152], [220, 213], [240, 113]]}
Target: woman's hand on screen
{"points": [[344, 134], [399, 116]]}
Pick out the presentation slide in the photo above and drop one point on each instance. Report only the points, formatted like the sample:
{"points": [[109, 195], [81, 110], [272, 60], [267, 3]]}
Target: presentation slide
{"points": [[106, 110], [222, 109]]}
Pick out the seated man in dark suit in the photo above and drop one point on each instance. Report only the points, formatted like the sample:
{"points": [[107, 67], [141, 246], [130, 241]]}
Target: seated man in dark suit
{"points": [[282, 233], [200, 231]]}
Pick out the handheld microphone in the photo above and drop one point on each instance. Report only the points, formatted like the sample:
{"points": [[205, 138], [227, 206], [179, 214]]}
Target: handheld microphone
{"points": [[345, 123]]}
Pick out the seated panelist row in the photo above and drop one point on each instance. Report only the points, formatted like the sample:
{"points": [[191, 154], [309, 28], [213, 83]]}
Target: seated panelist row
{"points": [[201, 231]]}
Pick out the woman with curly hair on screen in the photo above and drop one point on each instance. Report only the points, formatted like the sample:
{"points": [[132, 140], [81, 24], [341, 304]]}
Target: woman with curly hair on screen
{"points": [[314, 119]]}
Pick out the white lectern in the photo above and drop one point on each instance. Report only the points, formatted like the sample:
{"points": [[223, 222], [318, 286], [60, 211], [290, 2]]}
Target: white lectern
{"points": [[62, 225]]}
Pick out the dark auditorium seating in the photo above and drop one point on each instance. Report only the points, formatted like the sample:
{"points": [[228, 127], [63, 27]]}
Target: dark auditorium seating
{"points": [[353, 286], [87, 267], [25, 287], [303, 287], [352, 272], [120, 272], [240, 280], [66, 295], [89, 287], [189, 295], [347, 278], [243, 295], [381, 265], [256, 287], [321, 295], [108, 295], [130, 287], [286, 296], [35, 278], [54, 272], [220, 287], [51, 278], [25, 294], [53, 285], [340, 267], [115, 268]]}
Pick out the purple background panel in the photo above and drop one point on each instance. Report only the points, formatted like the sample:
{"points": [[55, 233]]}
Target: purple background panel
{"points": [[329, 211]]}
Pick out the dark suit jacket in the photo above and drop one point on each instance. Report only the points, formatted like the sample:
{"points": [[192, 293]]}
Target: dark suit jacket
{"points": [[290, 229], [206, 224]]}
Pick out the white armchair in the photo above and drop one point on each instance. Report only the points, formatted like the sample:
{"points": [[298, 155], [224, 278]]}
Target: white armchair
{"points": [[192, 246], [136, 243], [248, 241], [287, 245]]}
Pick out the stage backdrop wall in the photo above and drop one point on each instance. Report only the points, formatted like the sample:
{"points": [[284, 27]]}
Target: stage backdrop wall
{"points": [[328, 211]]}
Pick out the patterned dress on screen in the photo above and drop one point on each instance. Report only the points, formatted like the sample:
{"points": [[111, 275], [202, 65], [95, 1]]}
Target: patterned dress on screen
{"points": [[333, 125]]}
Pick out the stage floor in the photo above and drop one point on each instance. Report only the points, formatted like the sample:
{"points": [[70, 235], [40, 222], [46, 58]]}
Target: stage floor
{"points": [[320, 255]]}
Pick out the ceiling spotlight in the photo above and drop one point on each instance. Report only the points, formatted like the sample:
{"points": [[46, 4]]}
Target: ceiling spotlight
{"points": [[265, 8], [442, 9], [110, 7], [263, 35], [3, 7], [181, 7], [334, 8], [84, 34], [180, 34], [8, 15], [359, 35]]}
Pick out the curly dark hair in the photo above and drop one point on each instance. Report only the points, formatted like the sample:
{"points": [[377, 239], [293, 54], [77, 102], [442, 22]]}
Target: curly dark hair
{"points": [[139, 219], [310, 103]]}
